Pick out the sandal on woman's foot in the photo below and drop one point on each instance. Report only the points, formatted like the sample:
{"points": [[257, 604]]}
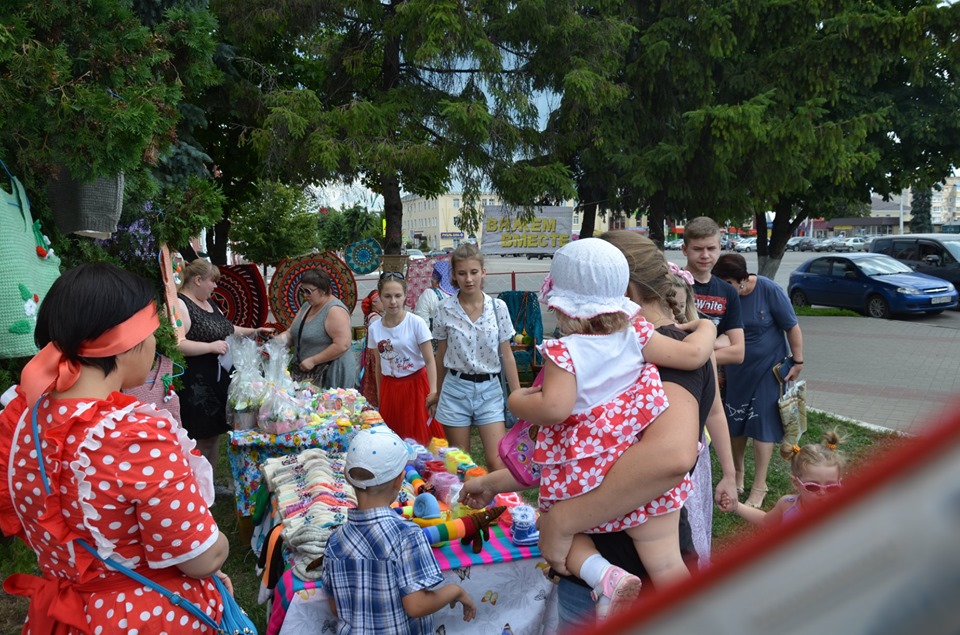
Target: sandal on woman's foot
{"points": [[756, 504], [739, 476], [620, 587]]}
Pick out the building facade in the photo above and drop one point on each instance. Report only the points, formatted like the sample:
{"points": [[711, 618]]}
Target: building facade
{"points": [[433, 221]]}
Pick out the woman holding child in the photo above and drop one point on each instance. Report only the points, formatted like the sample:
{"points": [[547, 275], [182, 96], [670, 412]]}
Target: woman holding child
{"points": [[654, 467]]}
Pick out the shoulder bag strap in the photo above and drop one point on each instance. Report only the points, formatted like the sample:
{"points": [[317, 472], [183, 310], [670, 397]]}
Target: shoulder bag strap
{"points": [[303, 323], [174, 598]]}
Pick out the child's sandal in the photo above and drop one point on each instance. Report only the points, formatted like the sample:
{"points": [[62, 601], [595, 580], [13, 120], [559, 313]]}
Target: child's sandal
{"points": [[620, 587]]}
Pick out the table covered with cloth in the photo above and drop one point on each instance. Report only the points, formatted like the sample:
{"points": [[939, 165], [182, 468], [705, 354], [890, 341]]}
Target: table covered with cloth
{"points": [[249, 449], [506, 582]]}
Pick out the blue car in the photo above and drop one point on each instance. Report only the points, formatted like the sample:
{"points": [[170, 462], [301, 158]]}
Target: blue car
{"points": [[873, 283]]}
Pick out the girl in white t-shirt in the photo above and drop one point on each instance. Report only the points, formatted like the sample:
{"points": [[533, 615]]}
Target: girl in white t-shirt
{"points": [[405, 368], [600, 390]]}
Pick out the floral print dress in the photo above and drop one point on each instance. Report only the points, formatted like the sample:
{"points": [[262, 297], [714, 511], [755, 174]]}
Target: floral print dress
{"points": [[124, 478], [615, 402]]}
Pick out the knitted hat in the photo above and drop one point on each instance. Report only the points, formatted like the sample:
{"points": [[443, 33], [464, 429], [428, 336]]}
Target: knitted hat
{"points": [[379, 451], [588, 277], [442, 272]]}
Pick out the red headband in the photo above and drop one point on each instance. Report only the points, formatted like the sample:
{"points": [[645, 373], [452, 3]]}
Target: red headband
{"points": [[50, 367]]}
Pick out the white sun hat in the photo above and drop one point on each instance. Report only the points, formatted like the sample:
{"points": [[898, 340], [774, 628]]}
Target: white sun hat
{"points": [[588, 277], [379, 451]]}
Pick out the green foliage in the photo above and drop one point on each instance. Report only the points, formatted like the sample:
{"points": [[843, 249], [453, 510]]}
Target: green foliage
{"points": [[339, 228], [10, 371], [89, 85], [167, 345], [399, 96], [274, 225], [182, 213], [825, 312]]}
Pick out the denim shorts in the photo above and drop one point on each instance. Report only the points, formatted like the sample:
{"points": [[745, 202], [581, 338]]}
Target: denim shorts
{"points": [[464, 403], [575, 606]]}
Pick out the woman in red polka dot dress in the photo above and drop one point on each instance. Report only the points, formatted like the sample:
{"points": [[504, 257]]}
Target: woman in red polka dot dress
{"points": [[123, 476]]}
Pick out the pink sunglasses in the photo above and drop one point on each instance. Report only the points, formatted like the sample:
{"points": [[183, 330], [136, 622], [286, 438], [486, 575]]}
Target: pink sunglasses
{"points": [[814, 488]]}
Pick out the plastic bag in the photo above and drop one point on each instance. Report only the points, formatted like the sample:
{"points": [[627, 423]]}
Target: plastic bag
{"points": [[280, 409], [246, 383]]}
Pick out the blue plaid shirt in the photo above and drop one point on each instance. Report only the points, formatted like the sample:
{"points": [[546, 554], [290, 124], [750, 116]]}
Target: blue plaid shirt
{"points": [[370, 563]]}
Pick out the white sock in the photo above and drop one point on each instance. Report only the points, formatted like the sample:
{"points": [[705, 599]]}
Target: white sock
{"points": [[593, 568]]}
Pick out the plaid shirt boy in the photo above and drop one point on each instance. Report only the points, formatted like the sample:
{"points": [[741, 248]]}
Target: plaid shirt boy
{"points": [[370, 563]]}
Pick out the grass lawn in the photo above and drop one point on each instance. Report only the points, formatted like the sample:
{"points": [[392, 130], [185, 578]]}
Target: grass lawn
{"points": [[859, 445]]}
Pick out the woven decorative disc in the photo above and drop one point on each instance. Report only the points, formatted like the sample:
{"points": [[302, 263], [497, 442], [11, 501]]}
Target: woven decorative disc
{"points": [[242, 295], [363, 256], [285, 298]]}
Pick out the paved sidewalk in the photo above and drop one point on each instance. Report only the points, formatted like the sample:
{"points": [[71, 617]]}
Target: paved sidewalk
{"points": [[896, 374]]}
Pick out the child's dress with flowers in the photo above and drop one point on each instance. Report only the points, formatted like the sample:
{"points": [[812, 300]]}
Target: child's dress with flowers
{"points": [[618, 395]]}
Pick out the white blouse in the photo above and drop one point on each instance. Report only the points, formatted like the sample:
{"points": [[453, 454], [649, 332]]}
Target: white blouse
{"points": [[473, 347]]}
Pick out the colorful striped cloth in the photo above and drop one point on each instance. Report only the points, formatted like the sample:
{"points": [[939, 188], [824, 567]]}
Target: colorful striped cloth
{"points": [[497, 549]]}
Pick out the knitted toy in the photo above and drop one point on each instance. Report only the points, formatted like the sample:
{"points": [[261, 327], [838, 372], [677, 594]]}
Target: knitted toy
{"points": [[474, 528]]}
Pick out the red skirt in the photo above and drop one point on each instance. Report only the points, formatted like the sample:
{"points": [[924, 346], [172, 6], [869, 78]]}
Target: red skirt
{"points": [[403, 406]]}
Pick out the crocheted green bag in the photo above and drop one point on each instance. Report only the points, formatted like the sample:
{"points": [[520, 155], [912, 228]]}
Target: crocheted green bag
{"points": [[28, 267]]}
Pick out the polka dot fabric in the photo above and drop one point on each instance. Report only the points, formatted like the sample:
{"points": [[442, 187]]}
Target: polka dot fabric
{"points": [[576, 454], [124, 477]]}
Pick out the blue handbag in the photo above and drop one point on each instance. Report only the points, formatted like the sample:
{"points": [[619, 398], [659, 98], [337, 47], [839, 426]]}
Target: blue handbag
{"points": [[233, 621]]}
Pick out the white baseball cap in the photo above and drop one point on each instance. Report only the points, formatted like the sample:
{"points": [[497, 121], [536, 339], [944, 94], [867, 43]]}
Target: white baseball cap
{"points": [[379, 451]]}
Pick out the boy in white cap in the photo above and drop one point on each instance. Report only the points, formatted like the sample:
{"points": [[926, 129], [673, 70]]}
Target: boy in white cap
{"points": [[378, 568]]}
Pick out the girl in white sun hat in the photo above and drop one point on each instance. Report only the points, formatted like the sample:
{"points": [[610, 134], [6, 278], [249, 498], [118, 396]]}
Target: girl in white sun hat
{"points": [[600, 390]]}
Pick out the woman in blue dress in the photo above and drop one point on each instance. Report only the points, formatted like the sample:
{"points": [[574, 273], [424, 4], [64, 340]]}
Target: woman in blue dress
{"points": [[770, 332]]}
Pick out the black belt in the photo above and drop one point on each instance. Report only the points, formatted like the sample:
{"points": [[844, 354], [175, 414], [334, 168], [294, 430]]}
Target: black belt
{"points": [[474, 378]]}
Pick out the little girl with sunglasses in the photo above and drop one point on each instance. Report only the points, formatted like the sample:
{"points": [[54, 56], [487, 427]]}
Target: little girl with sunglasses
{"points": [[816, 471]]}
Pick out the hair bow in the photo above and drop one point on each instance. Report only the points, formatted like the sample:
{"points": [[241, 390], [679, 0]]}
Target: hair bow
{"points": [[545, 289], [683, 273]]}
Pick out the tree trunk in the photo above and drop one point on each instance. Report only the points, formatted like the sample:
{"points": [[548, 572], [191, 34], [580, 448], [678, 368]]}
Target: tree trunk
{"points": [[217, 241], [769, 259], [588, 211], [656, 216], [393, 213], [390, 183]]}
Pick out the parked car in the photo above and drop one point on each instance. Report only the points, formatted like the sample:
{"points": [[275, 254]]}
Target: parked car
{"points": [[539, 256], [793, 243], [728, 242], [436, 252], [933, 254], [808, 244], [747, 244], [673, 244], [828, 244], [875, 284], [415, 254], [851, 244]]}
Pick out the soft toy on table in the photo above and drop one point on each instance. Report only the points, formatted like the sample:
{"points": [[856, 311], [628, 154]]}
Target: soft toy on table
{"points": [[474, 528]]}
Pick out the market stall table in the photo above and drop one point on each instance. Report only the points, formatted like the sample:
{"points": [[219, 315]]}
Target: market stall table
{"points": [[506, 582], [248, 449]]}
